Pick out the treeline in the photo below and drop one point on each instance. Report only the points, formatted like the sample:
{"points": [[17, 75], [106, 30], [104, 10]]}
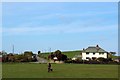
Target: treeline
{"points": [[57, 56], [95, 61], [27, 56]]}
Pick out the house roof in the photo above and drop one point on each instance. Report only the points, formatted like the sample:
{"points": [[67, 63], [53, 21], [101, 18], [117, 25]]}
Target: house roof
{"points": [[94, 49]]}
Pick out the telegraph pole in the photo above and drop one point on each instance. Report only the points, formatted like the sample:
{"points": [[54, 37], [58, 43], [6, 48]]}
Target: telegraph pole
{"points": [[13, 49], [50, 50]]}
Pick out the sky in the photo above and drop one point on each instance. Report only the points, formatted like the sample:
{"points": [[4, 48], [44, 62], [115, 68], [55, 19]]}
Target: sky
{"points": [[50, 26]]}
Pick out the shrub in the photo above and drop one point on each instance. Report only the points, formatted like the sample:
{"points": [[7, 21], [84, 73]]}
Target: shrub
{"points": [[113, 62], [94, 62]]}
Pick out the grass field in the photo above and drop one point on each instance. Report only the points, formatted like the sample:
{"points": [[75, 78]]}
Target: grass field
{"points": [[31, 70], [70, 54]]}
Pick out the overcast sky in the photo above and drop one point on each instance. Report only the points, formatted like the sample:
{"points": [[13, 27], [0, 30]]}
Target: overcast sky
{"points": [[65, 26]]}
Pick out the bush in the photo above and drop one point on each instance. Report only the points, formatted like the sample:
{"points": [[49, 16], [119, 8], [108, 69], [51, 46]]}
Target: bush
{"points": [[68, 61], [100, 59], [104, 60], [94, 62], [113, 62]]}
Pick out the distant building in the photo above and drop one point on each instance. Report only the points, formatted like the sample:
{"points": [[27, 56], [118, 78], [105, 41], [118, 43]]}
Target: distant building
{"points": [[77, 57], [94, 52], [0, 56], [117, 60]]}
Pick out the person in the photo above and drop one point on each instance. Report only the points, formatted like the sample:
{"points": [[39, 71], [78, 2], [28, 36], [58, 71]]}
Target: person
{"points": [[49, 67]]}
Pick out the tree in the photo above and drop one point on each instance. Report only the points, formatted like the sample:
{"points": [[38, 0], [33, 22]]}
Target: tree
{"points": [[113, 53], [39, 52], [57, 52], [29, 55], [64, 57], [10, 57], [21, 58], [59, 55], [4, 53], [4, 58], [51, 56]]}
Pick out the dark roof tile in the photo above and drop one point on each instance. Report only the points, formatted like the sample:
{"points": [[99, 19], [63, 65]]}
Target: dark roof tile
{"points": [[94, 49]]}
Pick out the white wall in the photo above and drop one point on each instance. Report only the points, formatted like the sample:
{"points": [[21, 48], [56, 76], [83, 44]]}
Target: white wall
{"points": [[90, 55]]}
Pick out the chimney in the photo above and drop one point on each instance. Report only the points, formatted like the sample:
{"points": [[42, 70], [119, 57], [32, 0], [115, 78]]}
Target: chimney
{"points": [[97, 46], [83, 49]]}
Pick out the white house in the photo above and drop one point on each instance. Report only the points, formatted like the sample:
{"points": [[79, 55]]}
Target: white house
{"points": [[94, 52]]}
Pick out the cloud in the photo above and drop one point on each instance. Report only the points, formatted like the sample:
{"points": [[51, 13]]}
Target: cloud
{"points": [[57, 29], [73, 15], [67, 24]]}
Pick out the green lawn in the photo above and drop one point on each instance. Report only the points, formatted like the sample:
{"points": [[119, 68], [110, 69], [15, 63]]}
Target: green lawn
{"points": [[70, 54], [27, 70]]}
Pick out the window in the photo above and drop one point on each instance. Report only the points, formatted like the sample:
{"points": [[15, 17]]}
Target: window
{"points": [[87, 58], [93, 53], [93, 58], [87, 53], [101, 53]]}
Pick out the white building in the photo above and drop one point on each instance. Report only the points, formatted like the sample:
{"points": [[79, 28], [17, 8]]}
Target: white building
{"points": [[94, 52]]}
